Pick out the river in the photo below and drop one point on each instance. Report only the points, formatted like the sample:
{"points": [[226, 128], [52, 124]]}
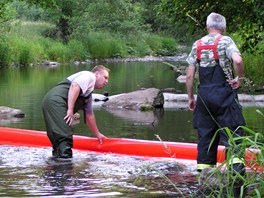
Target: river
{"points": [[30, 171]]}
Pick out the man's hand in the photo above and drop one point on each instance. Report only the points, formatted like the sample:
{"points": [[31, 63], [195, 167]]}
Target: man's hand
{"points": [[234, 83], [69, 118], [100, 138], [192, 104]]}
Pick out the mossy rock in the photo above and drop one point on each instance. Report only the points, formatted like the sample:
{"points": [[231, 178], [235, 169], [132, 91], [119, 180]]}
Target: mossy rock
{"points": [[146, 107]]}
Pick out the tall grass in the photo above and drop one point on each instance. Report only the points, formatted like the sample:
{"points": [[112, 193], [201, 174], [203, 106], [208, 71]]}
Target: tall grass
{"points": [[27, 44], [254, 69], [252, 182], [103, 45], [4, 53]]}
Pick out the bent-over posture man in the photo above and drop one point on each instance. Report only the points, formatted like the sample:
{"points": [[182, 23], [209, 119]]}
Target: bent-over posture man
{"points": [[61, 102], [217, 58]]}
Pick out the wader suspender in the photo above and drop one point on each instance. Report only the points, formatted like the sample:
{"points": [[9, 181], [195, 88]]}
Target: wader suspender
{"points": [[201, 47]]}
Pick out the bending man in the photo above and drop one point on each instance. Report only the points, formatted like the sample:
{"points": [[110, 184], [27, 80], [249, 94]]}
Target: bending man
{"points": [[61, 102]]}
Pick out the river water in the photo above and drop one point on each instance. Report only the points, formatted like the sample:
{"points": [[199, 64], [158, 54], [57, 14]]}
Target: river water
{"points": [[31, 172]]}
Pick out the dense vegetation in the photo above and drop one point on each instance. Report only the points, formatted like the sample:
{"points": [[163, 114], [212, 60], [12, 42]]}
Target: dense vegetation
{"points": [[32, 31]]}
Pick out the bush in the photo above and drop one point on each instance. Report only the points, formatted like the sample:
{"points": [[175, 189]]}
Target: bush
{"points": [[5, 58], [136, 45], [77, 50], [161, 46], [103, 45], [21, 51], [58, 52], [254, 69]]}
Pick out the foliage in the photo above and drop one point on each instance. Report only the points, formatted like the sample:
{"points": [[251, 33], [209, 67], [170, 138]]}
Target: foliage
{"points": [[254, 69], [195, 13], [42, 3], [4, 53], [119, 16], [5, 16], [77, 51], [101, 44], [27, 12], [162, 46]]}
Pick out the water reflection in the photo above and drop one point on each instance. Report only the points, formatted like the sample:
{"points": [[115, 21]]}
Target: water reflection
{"points": [[29, 85], [28, 171], [138, 117], [58, 176]]}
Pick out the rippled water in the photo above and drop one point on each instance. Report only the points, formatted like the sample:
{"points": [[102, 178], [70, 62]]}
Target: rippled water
{"points": [[31, 172]]}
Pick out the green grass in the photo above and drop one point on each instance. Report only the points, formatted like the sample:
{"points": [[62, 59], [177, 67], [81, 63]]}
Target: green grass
{"points": [[27, 44]]}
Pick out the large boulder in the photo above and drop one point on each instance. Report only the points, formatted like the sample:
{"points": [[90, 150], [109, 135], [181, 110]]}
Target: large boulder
{"points": [[141, 100]]}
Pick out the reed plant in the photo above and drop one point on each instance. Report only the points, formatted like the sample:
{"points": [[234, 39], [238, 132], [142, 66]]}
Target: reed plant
{"points": [[5, 58], [21, 51], [136, 45], [254, 69], [101, 44], [77, 51], [221, 182], [161, 46]]}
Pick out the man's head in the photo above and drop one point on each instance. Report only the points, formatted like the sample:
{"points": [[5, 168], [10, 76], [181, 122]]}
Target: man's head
{"points": [[216, 21], [102, 76]]}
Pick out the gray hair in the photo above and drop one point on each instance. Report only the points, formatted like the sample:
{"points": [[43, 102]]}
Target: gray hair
{"points": [[216, 21]]}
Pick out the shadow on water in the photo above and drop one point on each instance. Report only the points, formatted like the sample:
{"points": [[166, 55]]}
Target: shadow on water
{"points": [[28, 172]]}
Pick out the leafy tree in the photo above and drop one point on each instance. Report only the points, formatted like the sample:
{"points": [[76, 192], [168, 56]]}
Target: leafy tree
{"points": [[243, 16], [5, 16], [65, 10], [116, 16]]}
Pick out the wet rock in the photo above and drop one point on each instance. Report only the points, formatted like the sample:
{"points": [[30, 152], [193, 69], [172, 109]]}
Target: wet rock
{"points": [[7, 112], [137, 100], [50, 64], [10, 115], [212, 181], [100, 97], [179, 57]]}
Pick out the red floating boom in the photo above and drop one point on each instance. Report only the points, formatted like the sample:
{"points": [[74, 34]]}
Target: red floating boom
{"points": [[188, 151]]}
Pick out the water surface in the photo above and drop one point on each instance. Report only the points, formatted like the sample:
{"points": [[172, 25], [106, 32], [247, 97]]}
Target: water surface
{"points": [[29, 172]]}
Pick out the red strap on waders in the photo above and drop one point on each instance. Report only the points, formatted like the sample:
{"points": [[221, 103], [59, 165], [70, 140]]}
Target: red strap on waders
{"points": [[213, 47]]}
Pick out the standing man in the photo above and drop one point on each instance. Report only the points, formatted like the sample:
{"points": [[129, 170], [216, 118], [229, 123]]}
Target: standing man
{"points": [[65, 99], [217, 57]]}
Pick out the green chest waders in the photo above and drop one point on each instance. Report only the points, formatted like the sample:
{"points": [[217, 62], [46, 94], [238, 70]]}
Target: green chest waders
{"points": [[54, 107]]}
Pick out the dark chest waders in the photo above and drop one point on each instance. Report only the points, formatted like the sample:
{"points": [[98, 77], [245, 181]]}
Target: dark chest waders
{"points": [[217, 107], [55, 107]]}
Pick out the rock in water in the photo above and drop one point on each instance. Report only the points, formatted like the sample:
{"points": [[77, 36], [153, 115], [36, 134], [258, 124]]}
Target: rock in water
{"points": [[137, 100]]}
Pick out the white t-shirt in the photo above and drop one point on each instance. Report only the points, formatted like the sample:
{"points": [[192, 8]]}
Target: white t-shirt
{"points": [[86, 81]]}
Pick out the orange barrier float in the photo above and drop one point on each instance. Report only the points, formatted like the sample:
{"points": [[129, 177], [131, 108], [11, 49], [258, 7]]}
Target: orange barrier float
{"points": [[177, 150]]}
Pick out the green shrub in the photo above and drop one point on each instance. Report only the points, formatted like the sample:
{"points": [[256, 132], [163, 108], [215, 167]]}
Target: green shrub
{"points": [[155, 43], [77, 51], [21, 51], [25, 57], [58, 52], [103, 45], [169, 47], [161, 46], [5, 58], [254, 69], [136, 45]]}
